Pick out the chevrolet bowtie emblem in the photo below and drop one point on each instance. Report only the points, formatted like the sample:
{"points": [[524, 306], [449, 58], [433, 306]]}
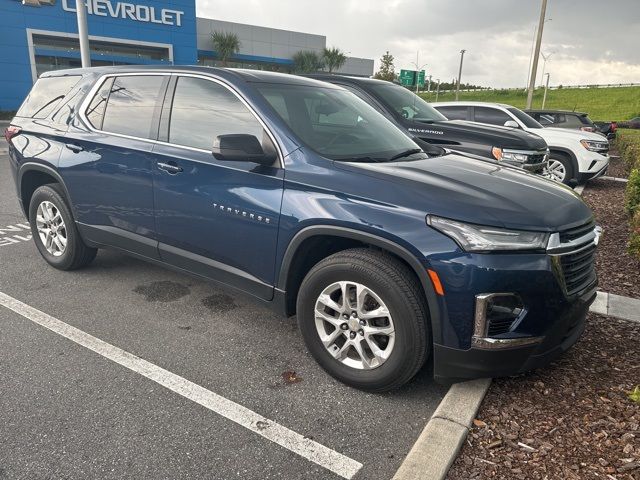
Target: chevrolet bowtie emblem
{"points": [[38, 3]]}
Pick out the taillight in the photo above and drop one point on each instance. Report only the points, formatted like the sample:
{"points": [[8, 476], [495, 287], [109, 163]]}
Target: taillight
{"points": [[614, 127], [10, 132]]}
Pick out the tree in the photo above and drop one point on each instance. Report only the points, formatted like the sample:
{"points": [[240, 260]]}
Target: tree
{"points": [[387, 70], [333, 58], [307, 61], [226, 45]]}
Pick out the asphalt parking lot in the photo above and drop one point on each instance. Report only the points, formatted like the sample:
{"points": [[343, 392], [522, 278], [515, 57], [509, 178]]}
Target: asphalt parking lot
{"points": [[69, 412]]}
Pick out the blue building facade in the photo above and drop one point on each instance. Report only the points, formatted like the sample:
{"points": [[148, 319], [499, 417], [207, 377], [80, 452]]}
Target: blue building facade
{"points": [[41, 35]]}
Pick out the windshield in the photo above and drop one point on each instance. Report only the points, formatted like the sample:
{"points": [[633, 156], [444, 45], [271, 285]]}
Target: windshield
{"points": [[337, 124], [524, 118], [407, 103]]}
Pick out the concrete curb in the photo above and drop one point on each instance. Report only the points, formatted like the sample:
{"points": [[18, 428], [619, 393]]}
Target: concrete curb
{"points": [[626, 308], [579, 189], [439, 443], [615, 179]]}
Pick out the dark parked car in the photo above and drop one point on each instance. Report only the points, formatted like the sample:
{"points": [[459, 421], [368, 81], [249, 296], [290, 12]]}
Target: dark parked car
{"points": [[305, 197], [573, 120], [412, 113], [633, 123]]}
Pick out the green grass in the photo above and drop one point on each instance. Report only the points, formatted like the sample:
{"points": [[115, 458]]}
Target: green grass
{"points": [[603, 104]]}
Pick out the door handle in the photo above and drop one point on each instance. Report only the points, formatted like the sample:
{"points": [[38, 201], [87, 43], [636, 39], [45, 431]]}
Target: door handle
{"points": [[73, 147], [171, 168]]}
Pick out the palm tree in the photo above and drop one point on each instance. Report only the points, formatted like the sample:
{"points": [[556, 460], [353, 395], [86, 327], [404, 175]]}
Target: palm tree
{"points": [[226, 45], [307, 61], [334, 58]]}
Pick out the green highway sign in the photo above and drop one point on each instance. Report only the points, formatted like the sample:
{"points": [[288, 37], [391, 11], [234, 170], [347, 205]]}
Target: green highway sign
{"points": [[408, 78]]}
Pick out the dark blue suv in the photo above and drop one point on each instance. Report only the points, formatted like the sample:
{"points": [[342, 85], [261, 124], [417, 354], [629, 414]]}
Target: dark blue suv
{"points": [[302, 195]]}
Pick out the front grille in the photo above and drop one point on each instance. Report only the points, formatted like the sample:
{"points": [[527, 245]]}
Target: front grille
{"points": [[576, 232], [578, 269], [534, 159]]}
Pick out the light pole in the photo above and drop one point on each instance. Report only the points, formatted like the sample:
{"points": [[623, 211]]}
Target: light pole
{"points": [[83, 36], [533, 42], [460, 73], [544, 64], [438, 90], [536, 54], [418, 68], [546, 87], [429, 84]]}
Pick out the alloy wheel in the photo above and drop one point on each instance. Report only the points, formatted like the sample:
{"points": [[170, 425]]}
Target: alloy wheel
{"points": [[556, 170], [51, 228], [354, 325]]}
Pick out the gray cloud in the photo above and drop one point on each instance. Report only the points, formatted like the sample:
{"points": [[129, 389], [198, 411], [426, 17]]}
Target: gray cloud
{"points": [[592, 41]]}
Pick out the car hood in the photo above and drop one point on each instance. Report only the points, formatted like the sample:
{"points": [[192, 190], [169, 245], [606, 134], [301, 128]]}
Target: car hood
{"points": [[499, 136], [461, 188], [566, 134]]}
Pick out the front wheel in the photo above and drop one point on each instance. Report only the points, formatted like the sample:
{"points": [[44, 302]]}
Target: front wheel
{"points": [[560, 169], [364, 319]]}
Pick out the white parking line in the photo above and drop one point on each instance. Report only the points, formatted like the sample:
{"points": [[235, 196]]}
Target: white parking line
{"points": [[312, 451]]}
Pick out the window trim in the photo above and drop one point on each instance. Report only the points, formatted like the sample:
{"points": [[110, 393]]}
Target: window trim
{"points": [[170, 74]]}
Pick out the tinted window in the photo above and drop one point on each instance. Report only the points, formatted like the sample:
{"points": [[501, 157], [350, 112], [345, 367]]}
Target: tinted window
{"points": [[406, 103], [492, 116], [544, 119], [131, 104], [454, 113], [336, 123], [95, 111], [46, 95], [572, 121], [524, 118], [203, 109]]}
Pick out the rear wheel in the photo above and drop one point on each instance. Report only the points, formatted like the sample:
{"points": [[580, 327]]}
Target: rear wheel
{"points": [[364, 319], [560, 168], [54, 231]]}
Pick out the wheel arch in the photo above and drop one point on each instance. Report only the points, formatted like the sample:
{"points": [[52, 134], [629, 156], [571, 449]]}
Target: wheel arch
{"points": [[569, 154], [33, 175], [314, 243]]}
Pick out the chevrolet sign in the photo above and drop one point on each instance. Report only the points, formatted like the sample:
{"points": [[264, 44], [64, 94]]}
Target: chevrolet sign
{"points": [[107, 8]]}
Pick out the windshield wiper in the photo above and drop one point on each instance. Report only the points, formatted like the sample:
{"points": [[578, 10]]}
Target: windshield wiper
{"points": [[405, 153]]}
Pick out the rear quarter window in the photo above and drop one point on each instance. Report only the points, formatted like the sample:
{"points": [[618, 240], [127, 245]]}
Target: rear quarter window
{"points": [[46, 95]]}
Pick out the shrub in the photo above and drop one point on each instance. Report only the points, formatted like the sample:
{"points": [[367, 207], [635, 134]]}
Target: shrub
{"points": [[632, 193], [634, 237]]}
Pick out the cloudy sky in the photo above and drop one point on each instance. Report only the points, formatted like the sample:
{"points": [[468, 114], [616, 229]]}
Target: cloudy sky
{"points": [[590, 41]]}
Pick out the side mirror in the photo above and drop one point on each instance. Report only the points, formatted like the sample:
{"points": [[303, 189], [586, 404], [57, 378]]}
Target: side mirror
{"points": [[511, 124], [241, 147]]}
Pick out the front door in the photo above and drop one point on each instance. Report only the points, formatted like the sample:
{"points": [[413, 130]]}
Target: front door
{"points": [[216, 218]]}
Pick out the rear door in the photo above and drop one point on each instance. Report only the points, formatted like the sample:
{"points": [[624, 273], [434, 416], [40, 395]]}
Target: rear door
{"points": [[107, 167], [216, 218], [490, 116]]}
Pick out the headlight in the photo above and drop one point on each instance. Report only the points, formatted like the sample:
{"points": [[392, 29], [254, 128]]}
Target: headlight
{"points": [[594, 145], [478, 238], [501, 154]]}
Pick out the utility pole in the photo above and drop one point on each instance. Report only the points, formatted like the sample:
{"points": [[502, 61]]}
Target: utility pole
{"points": [[429, 84], [438, 90], [83, 36], [536, 54], [533, 43], [546, 87], [460, 72]]}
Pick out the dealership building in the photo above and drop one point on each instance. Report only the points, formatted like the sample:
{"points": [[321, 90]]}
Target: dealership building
{"points": [[41, 35]]}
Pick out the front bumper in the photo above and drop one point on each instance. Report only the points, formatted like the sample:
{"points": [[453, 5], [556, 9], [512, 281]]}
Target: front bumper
{"points": [[584, 177], [451, 364]]}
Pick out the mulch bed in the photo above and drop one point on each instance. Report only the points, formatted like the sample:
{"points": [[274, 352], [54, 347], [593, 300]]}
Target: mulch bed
{"points": [[618, 272], [571, 420], [617, 168]]}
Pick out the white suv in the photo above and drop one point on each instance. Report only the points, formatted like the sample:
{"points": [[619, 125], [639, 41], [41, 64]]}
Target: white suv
{"points": [[573, 155]]}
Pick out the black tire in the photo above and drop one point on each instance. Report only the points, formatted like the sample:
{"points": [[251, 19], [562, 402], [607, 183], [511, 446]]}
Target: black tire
{"points": [[566, 163], [396, 286], [76, 253]]}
